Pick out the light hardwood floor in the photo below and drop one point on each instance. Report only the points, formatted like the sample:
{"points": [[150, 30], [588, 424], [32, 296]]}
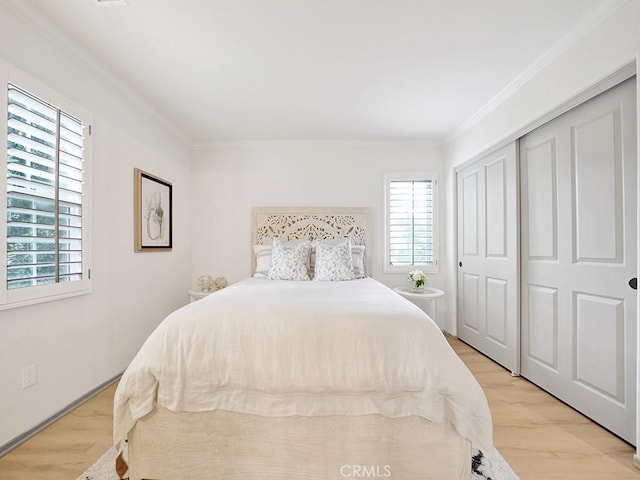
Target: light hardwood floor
{"points": [[65, 449], [540, 437]]}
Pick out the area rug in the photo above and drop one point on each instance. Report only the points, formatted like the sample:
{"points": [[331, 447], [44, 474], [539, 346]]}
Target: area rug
{"points": [[481, 468]]}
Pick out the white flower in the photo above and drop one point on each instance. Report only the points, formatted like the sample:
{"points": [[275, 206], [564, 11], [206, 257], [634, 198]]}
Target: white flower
{"points": [[418, 277]]}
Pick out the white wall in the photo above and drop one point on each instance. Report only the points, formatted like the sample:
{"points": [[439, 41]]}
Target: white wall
{"points": [[79, 343], [230, 179]]}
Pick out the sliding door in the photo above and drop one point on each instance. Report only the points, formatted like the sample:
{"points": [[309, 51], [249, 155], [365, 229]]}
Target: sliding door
{"points": [[488, 289], [578, 221]]}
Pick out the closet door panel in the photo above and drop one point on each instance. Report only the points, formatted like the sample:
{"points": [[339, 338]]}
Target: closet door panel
{"points": [[497, 310], [599, 351], [471, 302], [579, 243], [540, 188], [469, 196], [488, 303], [598, 202], [542, 326], [495, 188]]}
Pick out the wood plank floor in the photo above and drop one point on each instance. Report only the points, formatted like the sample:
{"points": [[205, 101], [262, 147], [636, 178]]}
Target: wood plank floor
{"points": [[65, 449], [540, 437]]}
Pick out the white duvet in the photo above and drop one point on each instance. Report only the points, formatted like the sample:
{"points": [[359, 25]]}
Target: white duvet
{"points": [[280, 348]]}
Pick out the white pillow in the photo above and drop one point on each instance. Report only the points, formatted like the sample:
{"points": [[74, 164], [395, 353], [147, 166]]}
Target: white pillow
{"points": [[333, 262], [289, 261], [357, 255], [263, 260]]}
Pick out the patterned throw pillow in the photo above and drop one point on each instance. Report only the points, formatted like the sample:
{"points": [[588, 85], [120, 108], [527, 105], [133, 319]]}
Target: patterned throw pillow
{"points": [[333, 262], [357, 254], [289, 261]]}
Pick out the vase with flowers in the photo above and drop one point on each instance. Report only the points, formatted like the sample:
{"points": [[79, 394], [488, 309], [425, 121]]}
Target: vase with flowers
{"points": [[418, 280]]}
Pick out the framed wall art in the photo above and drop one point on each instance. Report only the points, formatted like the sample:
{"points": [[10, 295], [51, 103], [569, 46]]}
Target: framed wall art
{"points": [[153, 219]]}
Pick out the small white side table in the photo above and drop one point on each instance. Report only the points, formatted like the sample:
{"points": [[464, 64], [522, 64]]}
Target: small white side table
{"points": [[197, 295], [429, 295]]}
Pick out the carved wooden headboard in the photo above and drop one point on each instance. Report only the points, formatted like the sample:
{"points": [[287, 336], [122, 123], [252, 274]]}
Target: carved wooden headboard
{"points": [[298, 223]]}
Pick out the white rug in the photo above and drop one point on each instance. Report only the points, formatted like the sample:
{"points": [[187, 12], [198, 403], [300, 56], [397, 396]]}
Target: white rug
{"points": [[499, 469]]}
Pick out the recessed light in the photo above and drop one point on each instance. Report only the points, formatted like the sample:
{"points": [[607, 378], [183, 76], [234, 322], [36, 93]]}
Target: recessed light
{"points": [[112, 3]]}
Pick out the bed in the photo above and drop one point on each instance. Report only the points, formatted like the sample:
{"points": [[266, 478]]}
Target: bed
{"points": [[290, 379]]}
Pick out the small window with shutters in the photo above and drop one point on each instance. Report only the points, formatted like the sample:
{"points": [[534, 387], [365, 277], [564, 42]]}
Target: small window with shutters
{"points": [[47, 208], [410, 222]]}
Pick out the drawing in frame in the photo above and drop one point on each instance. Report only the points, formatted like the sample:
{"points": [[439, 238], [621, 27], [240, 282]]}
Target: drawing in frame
{"points": [[153, 216]]}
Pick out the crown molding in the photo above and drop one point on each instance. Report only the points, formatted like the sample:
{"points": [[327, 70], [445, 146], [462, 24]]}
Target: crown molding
{"points": [[603, 84], [429, 144], [592, 20]]}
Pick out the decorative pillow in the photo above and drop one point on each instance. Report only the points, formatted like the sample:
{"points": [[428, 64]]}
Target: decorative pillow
{"points": [[333, 262], [331, 242], [357, 255], [263, 259], [289, 261]]}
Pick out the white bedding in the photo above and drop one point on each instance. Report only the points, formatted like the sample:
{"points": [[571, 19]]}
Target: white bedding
{"points": [[281, 348]]}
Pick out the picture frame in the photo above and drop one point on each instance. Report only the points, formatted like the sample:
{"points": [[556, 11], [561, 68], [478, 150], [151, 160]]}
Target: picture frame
{"points": [[153, 213]]}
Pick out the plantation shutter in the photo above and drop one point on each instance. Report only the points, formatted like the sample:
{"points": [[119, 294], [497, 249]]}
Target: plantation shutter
{"points": [[410, 223], [44, 193]]}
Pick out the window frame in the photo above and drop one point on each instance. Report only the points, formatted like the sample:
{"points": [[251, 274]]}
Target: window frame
{"points": [[410, 176], [18, 297]]}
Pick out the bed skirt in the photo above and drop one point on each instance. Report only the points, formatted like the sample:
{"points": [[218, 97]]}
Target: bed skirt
{"points": [[223, 445]]}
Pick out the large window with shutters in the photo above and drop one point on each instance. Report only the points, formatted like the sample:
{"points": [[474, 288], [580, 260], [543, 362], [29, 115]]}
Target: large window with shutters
{"points": [[46, 243], [410, 222]]}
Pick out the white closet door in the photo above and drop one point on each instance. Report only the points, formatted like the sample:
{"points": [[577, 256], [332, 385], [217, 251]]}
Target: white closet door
{"points": [[488, 289], [578, 214]]}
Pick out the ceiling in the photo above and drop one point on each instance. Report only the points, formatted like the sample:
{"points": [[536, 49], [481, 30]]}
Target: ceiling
{"points": [[233, 70]]}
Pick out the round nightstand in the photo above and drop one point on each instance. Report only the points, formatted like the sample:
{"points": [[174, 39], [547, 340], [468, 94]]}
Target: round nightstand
{"points": [[197, 295], [428, 293]]}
